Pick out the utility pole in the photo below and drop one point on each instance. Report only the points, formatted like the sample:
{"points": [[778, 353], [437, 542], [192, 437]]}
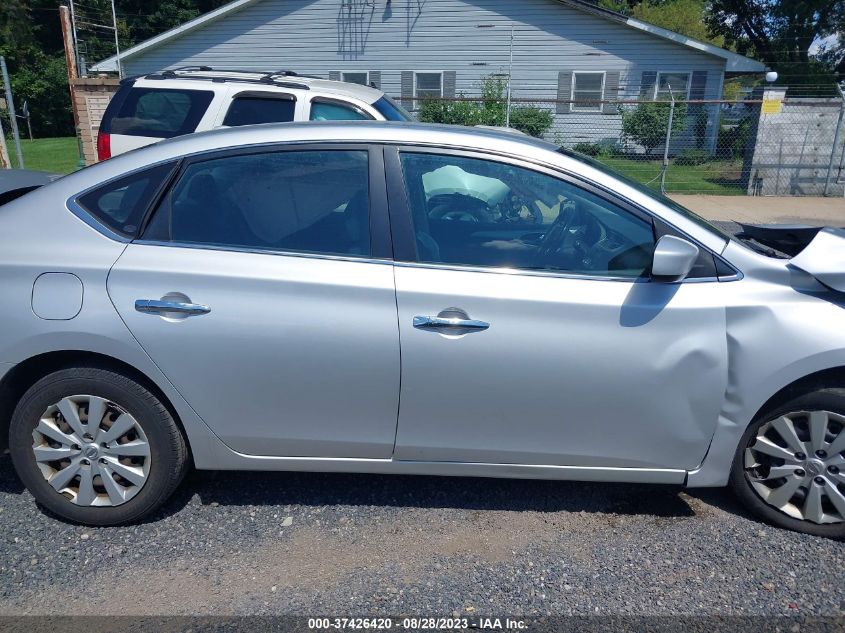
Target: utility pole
{"points": [[74, 41], [116, 43], [510, 77], [10, 104], [70, 58]]}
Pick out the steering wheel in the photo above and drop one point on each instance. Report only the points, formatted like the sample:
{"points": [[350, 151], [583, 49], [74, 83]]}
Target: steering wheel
{"points": [[569, 230], [458, 207]]}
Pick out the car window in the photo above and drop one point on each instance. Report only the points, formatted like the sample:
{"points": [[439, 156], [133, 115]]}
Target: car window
{"points": [[391, 110], [308, 201], [646, 190], [480, 212], [333, 111], [161, 113], [120, 204], [253, 110]]}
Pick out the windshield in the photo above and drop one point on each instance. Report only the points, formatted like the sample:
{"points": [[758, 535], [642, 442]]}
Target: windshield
{"points": [[391, 110], [651, 193]]}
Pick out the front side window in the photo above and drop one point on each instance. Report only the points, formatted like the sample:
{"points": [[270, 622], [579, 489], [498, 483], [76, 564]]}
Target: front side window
{"points": [[336, 111], [301, 201], [120, 204], [428, 85], [254, 109], [477, 212], [160, 113], [671, 84], [357, 78], [587, 92]]}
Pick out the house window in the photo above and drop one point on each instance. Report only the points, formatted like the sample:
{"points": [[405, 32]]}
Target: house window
{"points": [[428, 85], [357, 78], [587, 92], [678, 82]]}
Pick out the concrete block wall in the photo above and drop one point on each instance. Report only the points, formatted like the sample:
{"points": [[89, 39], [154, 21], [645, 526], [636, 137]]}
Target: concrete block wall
{"points": [[793, 146]]}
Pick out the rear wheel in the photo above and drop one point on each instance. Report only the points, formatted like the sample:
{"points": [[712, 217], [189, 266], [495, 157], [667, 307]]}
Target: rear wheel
{"points": [[96, 447], [789, 468]]}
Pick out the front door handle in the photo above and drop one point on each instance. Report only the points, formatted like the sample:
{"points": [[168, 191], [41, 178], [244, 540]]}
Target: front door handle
{"points": [[157, 306], [436, 323]]}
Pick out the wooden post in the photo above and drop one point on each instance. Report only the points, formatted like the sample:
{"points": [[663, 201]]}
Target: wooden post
{"points": [[70, 58], [5, 163]]}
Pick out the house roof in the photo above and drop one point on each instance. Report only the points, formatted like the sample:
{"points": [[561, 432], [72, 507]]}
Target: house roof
{"points": [[733, 61]]}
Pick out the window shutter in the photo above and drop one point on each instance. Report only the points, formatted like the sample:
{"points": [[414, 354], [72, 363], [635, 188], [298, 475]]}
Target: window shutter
{"points": [[698, 84], [564, 92], [334, 75], [611, 92], [375, 78], [647, 84], [449, 79], [408, 88]]}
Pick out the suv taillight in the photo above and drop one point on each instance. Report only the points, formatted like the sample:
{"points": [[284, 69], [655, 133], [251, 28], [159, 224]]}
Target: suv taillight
{"points": [[103, 145]]}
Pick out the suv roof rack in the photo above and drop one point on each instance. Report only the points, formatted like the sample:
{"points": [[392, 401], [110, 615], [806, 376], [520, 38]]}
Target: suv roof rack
{"points": [[269, 78]]}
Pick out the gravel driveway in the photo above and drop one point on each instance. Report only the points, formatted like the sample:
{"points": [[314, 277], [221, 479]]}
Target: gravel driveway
{"points": [[314, 544]]}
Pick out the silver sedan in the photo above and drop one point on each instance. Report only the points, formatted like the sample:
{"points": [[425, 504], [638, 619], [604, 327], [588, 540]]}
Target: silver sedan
{"points": [[400, 298]]}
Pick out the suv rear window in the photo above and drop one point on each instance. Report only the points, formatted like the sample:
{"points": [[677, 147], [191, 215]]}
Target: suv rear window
{"points": [[161, 113]]}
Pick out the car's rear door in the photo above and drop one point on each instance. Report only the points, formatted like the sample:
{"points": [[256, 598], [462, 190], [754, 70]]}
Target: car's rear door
{"points": [[531, 333], [263, 289]]}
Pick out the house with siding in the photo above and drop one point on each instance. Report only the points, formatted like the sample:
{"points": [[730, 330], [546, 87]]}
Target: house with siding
{"points": [[568, 56]]}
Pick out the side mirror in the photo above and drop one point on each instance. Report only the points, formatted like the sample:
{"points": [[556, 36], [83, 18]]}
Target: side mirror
{"points": [[673, 259]]}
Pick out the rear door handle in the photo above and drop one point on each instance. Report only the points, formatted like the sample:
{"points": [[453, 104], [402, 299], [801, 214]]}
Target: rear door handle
{"points": [[436, 323], [157, 306]]}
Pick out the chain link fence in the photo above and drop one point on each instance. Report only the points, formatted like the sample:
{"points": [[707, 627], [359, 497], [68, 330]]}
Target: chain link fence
{"points": [[774, 142]]}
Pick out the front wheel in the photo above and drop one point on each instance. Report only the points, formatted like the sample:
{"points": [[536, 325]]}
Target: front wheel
{"points": [[96, 447], [789, 468]]}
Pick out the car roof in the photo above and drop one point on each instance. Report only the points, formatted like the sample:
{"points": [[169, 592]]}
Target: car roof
{"points": [[342, 132], [268, 81]]}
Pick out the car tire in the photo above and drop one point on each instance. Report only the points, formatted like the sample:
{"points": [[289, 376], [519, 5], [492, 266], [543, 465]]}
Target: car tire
{"points": [[816, 492], [116, 476]]}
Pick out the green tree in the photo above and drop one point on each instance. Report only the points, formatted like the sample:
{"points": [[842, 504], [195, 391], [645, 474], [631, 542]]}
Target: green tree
{"points": [[681, 16], [780, 33], [646, 123]]}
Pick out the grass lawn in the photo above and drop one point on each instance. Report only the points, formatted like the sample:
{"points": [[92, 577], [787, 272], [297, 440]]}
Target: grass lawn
{"points": [[720, 177], [57, 155]]}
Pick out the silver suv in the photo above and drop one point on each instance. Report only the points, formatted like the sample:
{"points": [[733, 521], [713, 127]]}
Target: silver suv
{"points": [[162, 105]]}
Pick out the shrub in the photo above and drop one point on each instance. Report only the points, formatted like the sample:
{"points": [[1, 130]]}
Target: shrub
{"points": [[733, 139], [488, 110], [588, 149], [646, 124], [606, 147], [532, 121], [693, 157]]}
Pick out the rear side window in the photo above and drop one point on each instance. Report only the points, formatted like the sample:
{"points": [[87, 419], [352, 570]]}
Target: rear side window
{"points": [[251, 110], [303, 201], [160, 113], [120, 204]]}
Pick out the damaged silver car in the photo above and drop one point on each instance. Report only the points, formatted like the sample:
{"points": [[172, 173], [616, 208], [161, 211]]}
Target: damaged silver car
{"points": [[401, 298]]}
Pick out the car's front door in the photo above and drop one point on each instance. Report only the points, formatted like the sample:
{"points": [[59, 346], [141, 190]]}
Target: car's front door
{"points": [[263, 290], [530, 330]]}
